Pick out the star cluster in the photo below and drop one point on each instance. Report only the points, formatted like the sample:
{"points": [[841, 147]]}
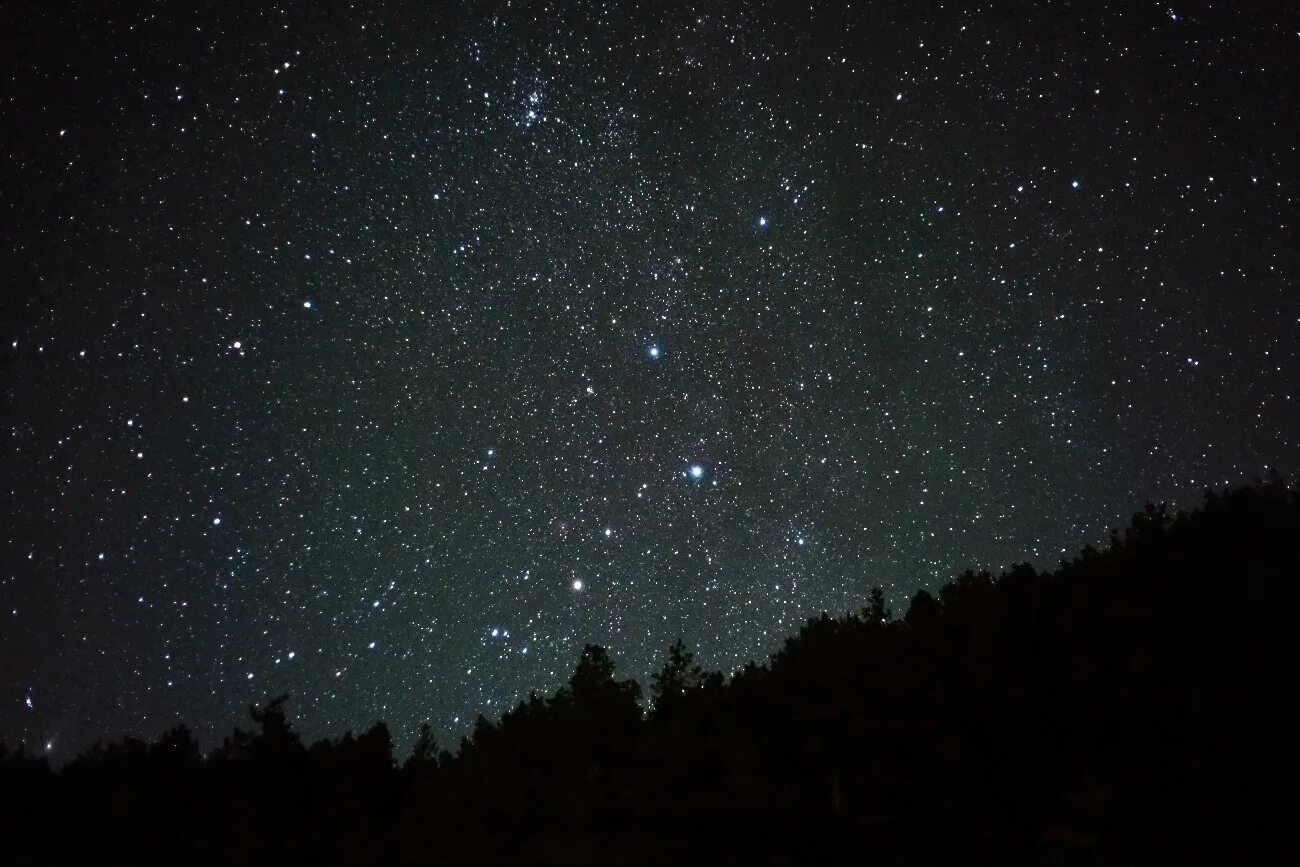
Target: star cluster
{"points": [[386, 354]]}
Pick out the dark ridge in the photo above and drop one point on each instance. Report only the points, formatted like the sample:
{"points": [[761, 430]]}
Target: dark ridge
{"points": [[1133, 707]]}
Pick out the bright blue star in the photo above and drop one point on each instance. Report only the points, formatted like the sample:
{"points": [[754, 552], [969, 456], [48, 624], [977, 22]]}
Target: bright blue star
{"points": [[653, 351], [762, 222], [696, 472]]}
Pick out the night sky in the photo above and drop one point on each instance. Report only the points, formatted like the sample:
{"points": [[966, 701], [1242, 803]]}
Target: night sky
{"points": [[385, 354]]}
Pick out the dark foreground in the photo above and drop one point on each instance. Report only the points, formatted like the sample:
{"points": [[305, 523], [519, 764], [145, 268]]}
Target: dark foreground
{"points": [[1132, 708]]}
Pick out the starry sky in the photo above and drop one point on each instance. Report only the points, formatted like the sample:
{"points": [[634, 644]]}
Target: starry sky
{"points": [[385, 354]]}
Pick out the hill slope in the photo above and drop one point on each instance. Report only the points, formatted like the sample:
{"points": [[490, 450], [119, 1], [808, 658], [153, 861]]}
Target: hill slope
{"points": [[1132, 707]]}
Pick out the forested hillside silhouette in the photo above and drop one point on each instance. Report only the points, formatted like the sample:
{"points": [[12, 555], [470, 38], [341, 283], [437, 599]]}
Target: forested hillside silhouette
{"points": [[1133, 707]]}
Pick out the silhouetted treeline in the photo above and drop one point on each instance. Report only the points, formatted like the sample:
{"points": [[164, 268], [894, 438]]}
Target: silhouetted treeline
{"points": [[1134, 707]]}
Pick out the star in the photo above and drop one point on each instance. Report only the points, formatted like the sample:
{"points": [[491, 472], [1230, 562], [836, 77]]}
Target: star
{"points": [[653, 351], [696, 471]]}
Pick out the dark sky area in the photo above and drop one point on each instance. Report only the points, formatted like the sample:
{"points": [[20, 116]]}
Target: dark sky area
{"points": [[385, 354]]}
